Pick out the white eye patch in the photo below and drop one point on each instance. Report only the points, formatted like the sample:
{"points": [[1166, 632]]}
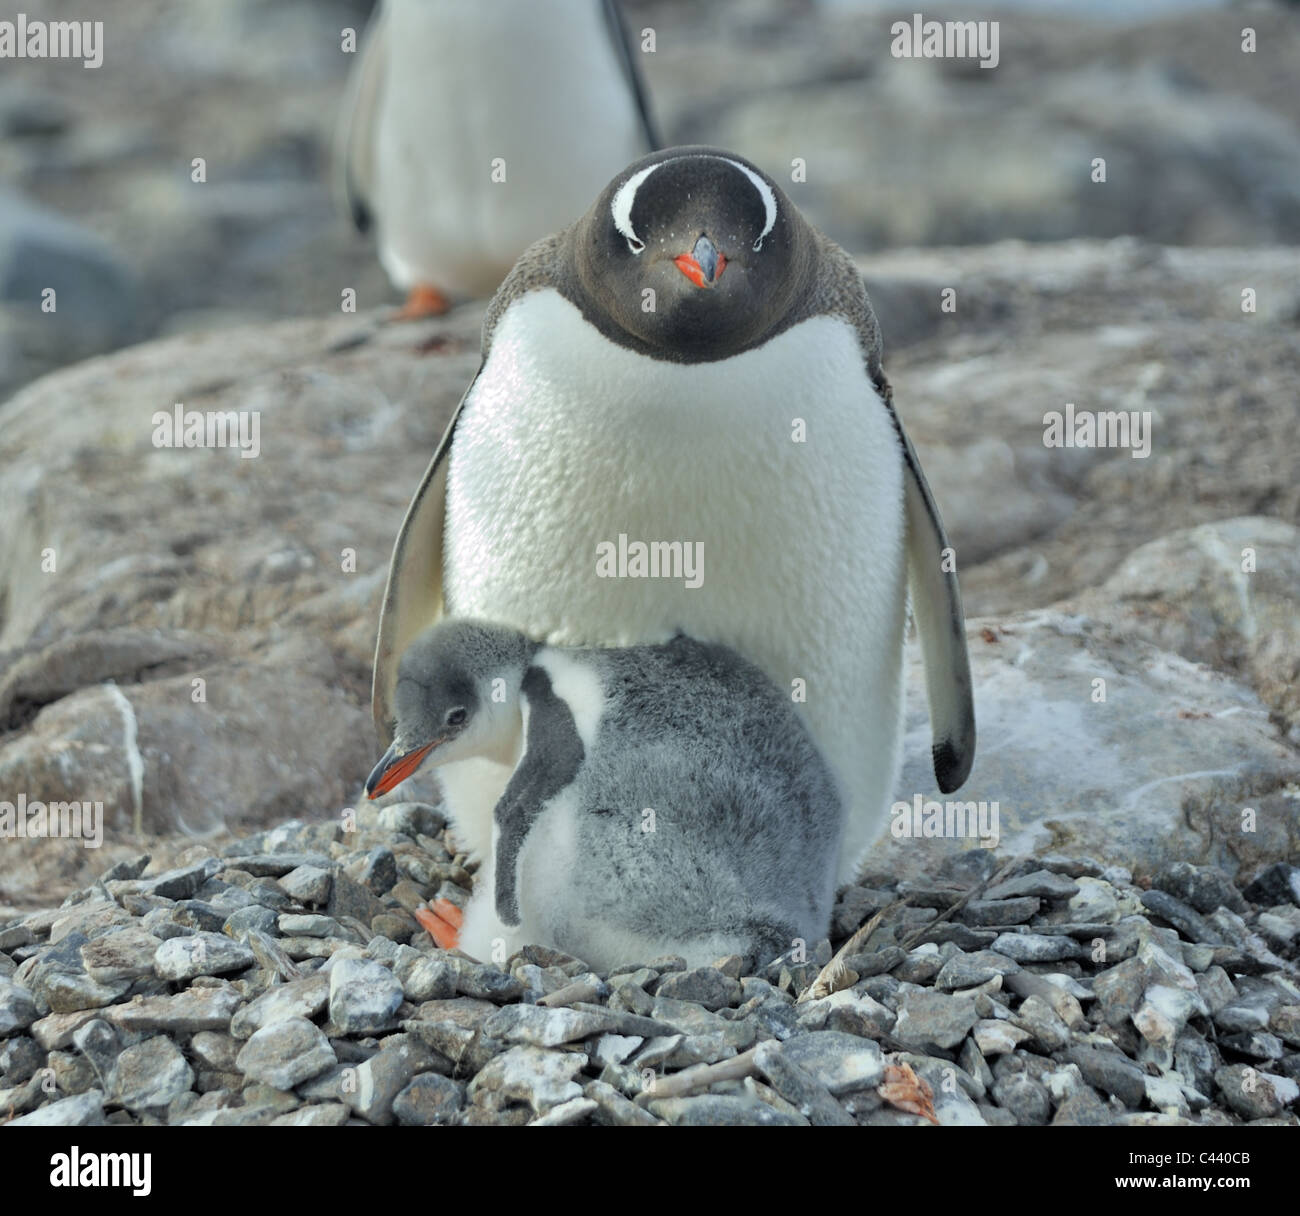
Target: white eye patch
{"points": [[625, 198]]}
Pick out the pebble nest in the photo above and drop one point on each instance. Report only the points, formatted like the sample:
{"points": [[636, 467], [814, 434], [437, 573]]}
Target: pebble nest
{"points": [[286, 982]]}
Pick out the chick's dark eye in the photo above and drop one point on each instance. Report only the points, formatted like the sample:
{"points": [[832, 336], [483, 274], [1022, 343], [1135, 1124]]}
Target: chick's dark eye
{"points": [[457, 716]]}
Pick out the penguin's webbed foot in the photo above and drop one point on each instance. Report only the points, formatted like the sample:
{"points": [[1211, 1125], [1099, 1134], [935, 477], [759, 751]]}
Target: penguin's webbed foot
{"points": [[442, 920], [423, 300]]}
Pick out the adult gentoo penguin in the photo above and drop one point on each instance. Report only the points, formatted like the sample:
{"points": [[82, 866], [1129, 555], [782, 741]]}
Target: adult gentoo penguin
{"points": [[692, 362], [472, 127], [667, 799]]}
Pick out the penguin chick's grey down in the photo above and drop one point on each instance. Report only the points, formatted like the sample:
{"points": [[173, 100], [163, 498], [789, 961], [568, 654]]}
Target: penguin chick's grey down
{"points": [[746, 415], [668, 798]]}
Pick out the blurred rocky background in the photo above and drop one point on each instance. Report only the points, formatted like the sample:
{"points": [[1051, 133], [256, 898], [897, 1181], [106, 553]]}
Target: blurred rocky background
{"points": [[1080, 564]]}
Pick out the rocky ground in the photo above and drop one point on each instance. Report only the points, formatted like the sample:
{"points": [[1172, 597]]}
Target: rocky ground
{"points": [[285, 982]]}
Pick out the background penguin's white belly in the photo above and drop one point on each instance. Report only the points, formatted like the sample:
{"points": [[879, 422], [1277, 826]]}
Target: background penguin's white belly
{"points": [[553, 106], [569, 440]]}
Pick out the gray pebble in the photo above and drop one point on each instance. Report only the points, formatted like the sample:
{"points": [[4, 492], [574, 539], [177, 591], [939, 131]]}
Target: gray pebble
{"points": [[1043, 1022], [194, 1009], [1111, 1072], [255, 916], [364, 997], [706, 985], [181, 883], [308, 884], [80, 1110], [426, 979], [937, 1018], [533, 1075], [150, 1074], [317, 1114], [300, 998], [798, 1087], [125, 955], [1251, 1093], [1205, 888], [430, 1099], [196, 914], [1185, 919], [183, 958], [385, 1075], [969, 970], [1041, 883], [98, 1042], [839, 1062], [378, 870], [979, 912], [413, 819], [296, 924], [720, 1110], [20, 1057], [1257, 1044], [484, 982], [1083, 1109], [1275, 884], [1036, 947], [543, 1027], [285, 1054], [215, 1051], [17, 1008], [1023, 1097]]}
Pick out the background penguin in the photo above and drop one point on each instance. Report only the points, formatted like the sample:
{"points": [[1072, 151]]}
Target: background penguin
{"points": [[443, 91], [691, 361], [667, 798]]}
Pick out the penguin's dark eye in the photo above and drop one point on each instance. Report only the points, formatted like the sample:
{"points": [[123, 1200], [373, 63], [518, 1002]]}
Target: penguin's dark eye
{"points": [[457, 716], [635, 244]]}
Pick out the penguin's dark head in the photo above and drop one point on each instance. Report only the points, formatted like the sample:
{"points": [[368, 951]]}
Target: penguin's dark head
{"points": [[457, 695], [691, 254]]}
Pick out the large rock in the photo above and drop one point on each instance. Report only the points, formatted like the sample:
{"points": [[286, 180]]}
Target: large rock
{"points": [[1187, 129], [1167, 768], [96, 303], [182, 574], [1104, 326], [1226, 594]]}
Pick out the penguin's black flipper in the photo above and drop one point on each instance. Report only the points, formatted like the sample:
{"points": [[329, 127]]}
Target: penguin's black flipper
{"points": [[413, 598], [627, 53], [941, 625], [354, 137], [553, 754]]}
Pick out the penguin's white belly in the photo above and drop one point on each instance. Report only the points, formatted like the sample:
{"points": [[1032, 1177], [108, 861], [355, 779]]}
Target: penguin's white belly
{"points": [[499, 123], [779, 468]]}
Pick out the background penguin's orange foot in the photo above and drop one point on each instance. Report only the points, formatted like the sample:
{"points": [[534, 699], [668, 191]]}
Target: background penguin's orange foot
{"points": [[442, 920], [423, 300]]}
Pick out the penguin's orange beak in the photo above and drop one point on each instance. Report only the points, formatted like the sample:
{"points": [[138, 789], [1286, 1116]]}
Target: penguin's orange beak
{"points": [[393, 769], [703, 265]]}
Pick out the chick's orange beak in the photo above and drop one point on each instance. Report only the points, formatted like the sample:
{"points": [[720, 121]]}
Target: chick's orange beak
{"points": [[393, 769]]}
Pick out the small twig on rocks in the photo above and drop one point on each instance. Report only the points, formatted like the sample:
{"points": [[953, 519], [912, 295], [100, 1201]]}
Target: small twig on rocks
{"points": [[978, 889], [579, 990], [827, 981], [698, 1076]]}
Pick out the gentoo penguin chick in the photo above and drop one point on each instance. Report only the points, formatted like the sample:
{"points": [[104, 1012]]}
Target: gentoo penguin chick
{"points": [[471, 128], [692, 371], [667, 798]]}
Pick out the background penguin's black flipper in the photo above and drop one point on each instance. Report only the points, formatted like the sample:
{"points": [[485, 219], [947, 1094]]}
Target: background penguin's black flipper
{"points": [[627, 53], [354, 137]]}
